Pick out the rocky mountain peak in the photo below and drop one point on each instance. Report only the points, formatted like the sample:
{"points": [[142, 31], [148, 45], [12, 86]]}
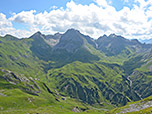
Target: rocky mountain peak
{"points": [[112, 35], [72, 30], [104, 36], [37, 35], [70, 41], [58, 34], [38, 32]]}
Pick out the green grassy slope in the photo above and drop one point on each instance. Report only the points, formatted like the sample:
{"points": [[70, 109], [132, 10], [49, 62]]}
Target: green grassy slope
{"points": [[16, 55], [93, 83], [138, 71], [19, 94]]}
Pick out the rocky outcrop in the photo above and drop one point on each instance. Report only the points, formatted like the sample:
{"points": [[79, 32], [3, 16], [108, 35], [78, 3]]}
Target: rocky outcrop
{"points": [[29, 85], [137, 107]]}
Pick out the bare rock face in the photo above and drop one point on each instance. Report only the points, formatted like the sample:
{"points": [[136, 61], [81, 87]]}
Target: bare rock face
{"points": [[52, 40], [30, 85], [137, 107]]}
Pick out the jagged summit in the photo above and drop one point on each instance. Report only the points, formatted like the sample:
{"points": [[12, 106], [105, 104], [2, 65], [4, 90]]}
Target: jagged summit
{"points": [[74, 46], [38, 32], [70, 41], [73, 30], [104, 35], [58, 34], [112, 35], [37, 35], [113, 45]]}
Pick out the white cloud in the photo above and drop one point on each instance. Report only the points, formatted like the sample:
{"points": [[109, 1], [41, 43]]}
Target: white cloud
{"points": [[23, 17], [94, 20], [53, 7], [126, 1], [4, 22], [144, 3], [102, 3], [6, 27]]}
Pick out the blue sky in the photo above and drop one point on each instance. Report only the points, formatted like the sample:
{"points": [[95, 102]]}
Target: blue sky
{"points": [[129, 18], [9, 6]]}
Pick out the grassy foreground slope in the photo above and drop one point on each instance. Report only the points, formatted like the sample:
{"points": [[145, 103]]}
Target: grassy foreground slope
{"points": [[20, 95]]}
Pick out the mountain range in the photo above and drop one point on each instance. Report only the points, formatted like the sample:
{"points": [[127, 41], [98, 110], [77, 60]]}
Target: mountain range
{"points": [[72, 72]]}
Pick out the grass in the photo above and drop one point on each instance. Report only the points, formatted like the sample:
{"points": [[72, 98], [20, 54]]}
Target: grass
{"points": [[16, 101], [15, 98], [96, 82]]}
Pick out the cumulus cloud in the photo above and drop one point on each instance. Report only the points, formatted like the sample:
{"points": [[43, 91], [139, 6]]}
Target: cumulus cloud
{"points": [[5, 24], [6, 27], [23, 17], [102, 3], [3, 21], [94, 19], [144, 3]]}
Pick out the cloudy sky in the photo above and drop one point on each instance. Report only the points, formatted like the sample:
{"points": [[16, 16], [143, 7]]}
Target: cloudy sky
{"points": [[129, 18]]}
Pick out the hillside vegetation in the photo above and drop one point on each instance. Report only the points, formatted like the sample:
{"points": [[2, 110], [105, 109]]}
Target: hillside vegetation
{"points": [[71, 72]]}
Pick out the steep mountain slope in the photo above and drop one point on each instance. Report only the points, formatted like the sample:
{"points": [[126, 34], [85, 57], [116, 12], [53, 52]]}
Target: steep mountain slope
{"points": [[20, 94], [40, 48], [114, 45], [70, 41], [52, 40], [16, 55], [93, 83], [138, 71], [139, 74], [74, 46]]}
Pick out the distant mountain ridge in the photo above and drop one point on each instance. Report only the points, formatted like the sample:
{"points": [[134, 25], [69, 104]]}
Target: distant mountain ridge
{"points": [[111, 45]]}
